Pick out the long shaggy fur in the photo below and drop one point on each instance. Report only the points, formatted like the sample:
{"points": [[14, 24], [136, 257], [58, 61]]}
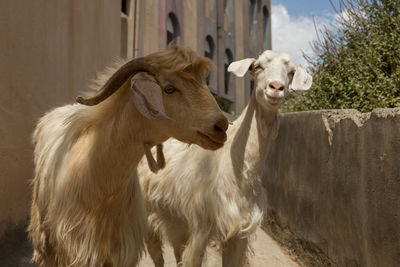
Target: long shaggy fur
{"points": [[204, 196], [81, 214], [87, 208]]}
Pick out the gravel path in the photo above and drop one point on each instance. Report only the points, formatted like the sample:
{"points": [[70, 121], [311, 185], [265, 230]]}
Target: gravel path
{"points": [[266, 253]]}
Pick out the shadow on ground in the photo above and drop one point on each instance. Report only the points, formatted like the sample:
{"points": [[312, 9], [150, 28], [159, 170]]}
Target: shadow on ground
{"points": [[15, 248]]}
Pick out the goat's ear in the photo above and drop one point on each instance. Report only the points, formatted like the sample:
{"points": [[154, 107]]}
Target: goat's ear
{"points": [[147, 96], [301, 79], [240, 67]]}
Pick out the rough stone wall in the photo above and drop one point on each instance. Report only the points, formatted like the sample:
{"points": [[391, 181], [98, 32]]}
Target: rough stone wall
{"points": [[333, 183]]}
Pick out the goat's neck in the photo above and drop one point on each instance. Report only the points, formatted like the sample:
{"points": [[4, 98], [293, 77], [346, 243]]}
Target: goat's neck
{"points": [[118, 133], [249, 144]]}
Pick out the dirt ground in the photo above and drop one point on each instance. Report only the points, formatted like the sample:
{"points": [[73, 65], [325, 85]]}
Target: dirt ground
{"points": [[17, 250], [266, 253]]}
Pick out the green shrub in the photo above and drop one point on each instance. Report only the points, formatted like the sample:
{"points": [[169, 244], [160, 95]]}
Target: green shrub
{"points": [[358, 66]]}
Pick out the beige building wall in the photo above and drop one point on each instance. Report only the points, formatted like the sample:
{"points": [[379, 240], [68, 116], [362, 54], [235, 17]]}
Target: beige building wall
{"points": [[49, 51], [239, 54], [149, 27], [190, 31], [195, 24]]}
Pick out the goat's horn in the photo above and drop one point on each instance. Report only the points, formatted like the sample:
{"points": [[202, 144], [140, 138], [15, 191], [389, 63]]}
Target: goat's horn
{"points": [[116, 81]]}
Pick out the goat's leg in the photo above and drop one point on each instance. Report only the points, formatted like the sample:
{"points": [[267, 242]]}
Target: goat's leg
{"points": [[177, 234], [154, 247], [235, 252], [195, 249], [178, 241], [178, 251]]}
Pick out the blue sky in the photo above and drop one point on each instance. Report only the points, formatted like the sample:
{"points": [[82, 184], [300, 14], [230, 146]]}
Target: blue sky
{"points": [[307, 7], [293, 27]]}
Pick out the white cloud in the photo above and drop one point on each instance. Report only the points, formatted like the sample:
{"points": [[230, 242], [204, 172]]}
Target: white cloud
{"points": [[294, 34]]}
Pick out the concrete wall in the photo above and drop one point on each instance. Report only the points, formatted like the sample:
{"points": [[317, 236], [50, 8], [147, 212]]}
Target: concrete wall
{"points": [[49, 51], [333, 183]]}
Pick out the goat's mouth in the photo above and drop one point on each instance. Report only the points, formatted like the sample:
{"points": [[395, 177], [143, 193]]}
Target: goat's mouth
{"points": [[274, 100], [210, 142]]}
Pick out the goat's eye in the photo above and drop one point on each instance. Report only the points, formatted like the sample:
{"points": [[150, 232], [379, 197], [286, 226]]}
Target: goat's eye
{"points": [[169, 90]]}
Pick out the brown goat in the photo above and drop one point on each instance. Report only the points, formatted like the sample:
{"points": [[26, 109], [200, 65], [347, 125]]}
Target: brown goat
{"points": [[87, 208]]}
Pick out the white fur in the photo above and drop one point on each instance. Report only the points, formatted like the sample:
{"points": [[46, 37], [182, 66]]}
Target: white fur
{"points": [[204, 196]]}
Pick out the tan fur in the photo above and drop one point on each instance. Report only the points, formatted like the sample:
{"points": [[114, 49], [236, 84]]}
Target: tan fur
{"points": [[204, 196], [87, 208]]}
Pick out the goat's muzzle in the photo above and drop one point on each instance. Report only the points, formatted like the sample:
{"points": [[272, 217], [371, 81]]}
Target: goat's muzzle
{"points": [[216, 136], [220, 129], [275, 92]]}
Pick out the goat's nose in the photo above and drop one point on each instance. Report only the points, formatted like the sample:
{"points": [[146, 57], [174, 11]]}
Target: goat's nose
{"points": [[221, 125], [276, 86]]}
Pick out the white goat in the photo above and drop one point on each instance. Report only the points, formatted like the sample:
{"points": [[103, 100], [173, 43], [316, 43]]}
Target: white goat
{"points": [[204, 196], [87, 208]]}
